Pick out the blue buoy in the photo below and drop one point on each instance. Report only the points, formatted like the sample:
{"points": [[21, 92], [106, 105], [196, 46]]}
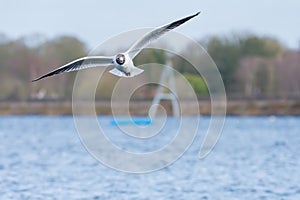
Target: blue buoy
{"points": [[132, 121]]}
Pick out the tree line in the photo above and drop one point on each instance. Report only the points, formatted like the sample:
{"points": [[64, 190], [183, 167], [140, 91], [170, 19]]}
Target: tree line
{"points": [[251, 66]]}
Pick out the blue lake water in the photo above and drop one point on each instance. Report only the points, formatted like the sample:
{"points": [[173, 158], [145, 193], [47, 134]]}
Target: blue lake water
{"points": [[41, 157]]}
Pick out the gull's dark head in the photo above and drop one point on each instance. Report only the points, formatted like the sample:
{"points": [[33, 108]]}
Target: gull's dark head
{"points": [[120, 59]]}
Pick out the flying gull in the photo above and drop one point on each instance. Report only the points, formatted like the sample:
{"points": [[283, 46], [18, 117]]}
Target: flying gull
{"points": [[122, 62]]}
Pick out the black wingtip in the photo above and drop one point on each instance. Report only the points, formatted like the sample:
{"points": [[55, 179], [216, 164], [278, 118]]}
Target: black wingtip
{"points": [[34, 80], [194, 15], [39, 78], [197, 13], [181, 21]]}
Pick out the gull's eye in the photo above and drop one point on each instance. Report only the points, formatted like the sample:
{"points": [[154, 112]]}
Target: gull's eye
{"points": [[120, 59]]}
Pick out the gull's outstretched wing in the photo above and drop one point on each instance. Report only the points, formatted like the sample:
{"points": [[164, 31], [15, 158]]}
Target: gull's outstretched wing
{"points": [[155, 34], [79, 64]]}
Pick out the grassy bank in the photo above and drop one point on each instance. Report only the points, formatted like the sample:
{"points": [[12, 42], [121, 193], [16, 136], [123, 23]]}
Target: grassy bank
{"points": [[234, 107]]}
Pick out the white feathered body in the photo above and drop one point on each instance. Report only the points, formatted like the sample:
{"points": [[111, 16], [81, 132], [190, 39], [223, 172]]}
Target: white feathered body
{"points": [[127, 69]]}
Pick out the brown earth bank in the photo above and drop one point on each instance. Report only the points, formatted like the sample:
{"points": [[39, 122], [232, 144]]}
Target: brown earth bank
{"points": [[234, 107]]}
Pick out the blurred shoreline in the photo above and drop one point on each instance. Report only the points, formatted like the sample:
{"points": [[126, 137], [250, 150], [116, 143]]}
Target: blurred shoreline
{"points": [[140, 108]]}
